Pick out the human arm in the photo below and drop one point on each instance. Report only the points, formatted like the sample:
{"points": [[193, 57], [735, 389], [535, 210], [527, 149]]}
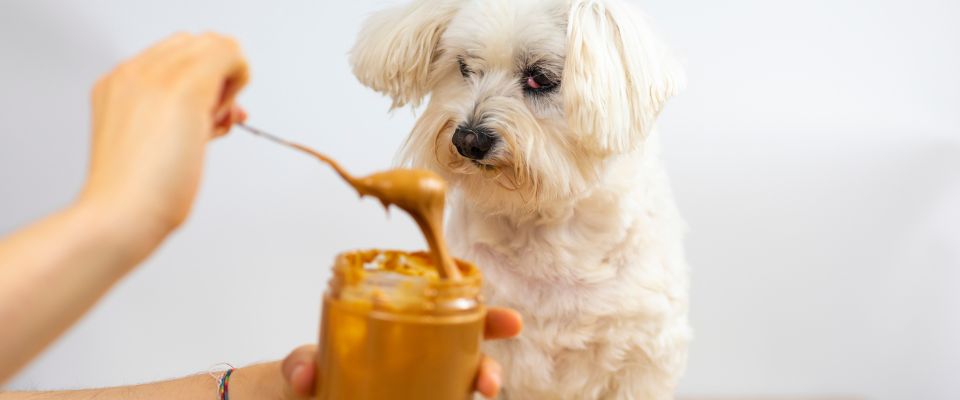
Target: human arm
{"points": [[263, 381], [291, 379], [152, 118]]}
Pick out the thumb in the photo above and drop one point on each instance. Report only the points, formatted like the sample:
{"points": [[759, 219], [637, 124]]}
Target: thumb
{"points": [[299, 370], [227, 119]]}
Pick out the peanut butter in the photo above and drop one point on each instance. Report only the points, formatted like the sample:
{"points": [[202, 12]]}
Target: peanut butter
{"points": [[392, 329], [396, 325], [420, 193]]}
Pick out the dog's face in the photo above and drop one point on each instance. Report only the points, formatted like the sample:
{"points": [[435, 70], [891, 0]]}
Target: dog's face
{"points": [[527, 98]]}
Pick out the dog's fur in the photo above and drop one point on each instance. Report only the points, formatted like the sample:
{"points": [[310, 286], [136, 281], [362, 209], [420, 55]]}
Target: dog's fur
{"points": [[570, 213]]}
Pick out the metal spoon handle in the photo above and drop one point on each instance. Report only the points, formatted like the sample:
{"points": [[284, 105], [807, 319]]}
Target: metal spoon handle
{"points": [[320, 156], [261, 133]]}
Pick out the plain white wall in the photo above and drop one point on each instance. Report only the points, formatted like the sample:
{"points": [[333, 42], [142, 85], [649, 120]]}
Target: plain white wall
{"points": [[815, 154]]}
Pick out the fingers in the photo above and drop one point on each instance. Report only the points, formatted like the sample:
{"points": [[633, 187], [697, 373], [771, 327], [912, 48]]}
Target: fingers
{"points": [[227, 120], [233, 66], [299, 369], [218, 67], [186, 54], [488, 377], [161, 50], [227, 68], [502, 323], [241, 115], [209, 70]]}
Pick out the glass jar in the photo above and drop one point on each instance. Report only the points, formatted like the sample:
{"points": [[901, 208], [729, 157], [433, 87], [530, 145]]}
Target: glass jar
{"points": [[392, 329]]}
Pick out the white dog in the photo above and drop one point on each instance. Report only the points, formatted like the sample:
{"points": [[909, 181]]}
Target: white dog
{"points": [[542, 117]]}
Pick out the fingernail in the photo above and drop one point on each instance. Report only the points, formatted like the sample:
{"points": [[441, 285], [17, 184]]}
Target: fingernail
{"points": [[493, 387], [241, 115], [296, 370]]}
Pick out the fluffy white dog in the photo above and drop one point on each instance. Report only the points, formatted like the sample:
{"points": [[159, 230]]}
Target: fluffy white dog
{"points": [[542, 116]]}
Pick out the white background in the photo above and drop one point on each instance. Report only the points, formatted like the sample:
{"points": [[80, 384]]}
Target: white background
{"points": [[815, 154]]}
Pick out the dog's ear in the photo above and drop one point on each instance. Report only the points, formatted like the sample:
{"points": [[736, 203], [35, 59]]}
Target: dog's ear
{"points": [[396, 48], [617, 75]]}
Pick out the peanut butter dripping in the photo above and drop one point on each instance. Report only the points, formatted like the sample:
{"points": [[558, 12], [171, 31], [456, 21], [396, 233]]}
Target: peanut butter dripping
{"points": [[420, 193]]}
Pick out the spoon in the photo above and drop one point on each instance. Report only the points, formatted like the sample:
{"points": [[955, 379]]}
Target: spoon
{"points": [[419, 192]]}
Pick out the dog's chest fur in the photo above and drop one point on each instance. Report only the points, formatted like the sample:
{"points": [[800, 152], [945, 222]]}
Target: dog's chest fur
{"points": [[601, 283]]}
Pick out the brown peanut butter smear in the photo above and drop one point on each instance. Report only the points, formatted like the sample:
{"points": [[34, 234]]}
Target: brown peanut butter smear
{"points": [[420, 193]]}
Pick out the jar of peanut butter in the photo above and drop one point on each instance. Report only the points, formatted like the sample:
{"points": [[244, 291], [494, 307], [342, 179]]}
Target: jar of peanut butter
{"points": [[393, 329]]}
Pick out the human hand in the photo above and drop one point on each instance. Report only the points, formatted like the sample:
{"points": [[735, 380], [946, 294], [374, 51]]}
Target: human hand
{"points": [[299, 368], [152, 118]]}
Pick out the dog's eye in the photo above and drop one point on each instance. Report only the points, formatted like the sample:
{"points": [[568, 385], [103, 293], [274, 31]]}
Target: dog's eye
{"points": [[464, 69], [537, 82]]}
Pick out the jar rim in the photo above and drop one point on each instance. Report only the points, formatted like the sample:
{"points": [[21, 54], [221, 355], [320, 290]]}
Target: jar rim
{"points": [[401, 281], [350, 267]]}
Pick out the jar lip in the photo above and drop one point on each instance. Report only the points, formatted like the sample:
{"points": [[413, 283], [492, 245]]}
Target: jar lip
{"points": [[350, 267]]}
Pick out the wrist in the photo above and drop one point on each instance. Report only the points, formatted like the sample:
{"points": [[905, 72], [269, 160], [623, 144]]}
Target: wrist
{"points": [[118, 229], [261, 381]]}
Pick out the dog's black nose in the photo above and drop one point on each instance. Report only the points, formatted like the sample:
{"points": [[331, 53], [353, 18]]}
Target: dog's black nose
{"points": [[473, 143]]}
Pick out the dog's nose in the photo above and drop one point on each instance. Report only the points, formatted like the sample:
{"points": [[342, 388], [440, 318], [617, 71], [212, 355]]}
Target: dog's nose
{"points": [[473, 143]]}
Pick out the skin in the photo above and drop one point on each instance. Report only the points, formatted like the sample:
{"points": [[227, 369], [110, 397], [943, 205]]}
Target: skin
{"points": [[152, 119], [292, 378]]}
